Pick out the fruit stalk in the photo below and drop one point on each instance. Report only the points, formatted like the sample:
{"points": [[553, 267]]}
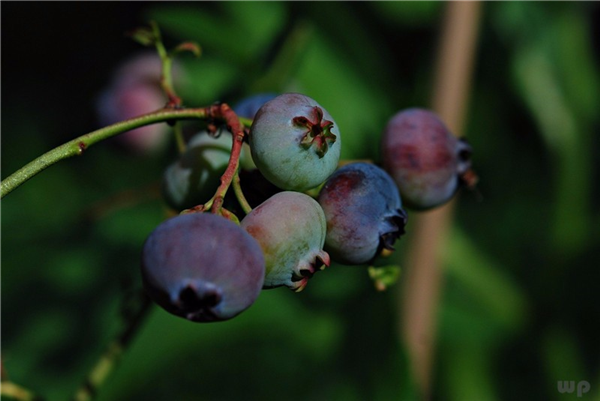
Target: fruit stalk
{"points": [[79, 145], [17, 392], [108, 360], [224, 112], [239, 194]]}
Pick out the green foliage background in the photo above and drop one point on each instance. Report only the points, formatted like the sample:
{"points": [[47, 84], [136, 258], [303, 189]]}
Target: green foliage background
{"points": [[520, 307]]}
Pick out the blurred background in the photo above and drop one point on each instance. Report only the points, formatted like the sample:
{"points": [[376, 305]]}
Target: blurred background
{"points": [[519, 307]]}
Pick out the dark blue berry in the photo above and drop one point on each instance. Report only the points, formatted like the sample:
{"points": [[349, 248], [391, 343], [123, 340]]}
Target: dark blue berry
{"points": [[363, 211], [248, 107]]}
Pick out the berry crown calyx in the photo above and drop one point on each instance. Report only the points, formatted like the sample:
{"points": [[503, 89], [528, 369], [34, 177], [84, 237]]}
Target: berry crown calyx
{"points": [[318, 132]]}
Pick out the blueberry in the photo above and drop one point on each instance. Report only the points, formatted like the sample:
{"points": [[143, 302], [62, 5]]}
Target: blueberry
{"points": [[290, 228], [135, 90], [195, 176], [121, 103], [363, 211], [202, 267], [248, 107], [295, 142], [427, 162]]}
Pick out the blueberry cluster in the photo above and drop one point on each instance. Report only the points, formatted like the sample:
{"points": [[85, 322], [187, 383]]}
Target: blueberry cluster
{"points": [[204, 267]]}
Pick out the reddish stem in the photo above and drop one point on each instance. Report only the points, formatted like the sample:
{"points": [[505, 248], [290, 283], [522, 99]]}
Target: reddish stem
{"points": [[174, 100], [223, 111]]}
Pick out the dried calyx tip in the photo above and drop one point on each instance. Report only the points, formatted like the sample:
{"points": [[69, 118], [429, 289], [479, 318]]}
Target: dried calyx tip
{"points": [[318, 132], [189, 300], [398, 221]]}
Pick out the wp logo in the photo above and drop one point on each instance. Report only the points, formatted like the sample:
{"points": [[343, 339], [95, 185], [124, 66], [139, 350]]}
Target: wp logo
{"points": [[569, 386]]}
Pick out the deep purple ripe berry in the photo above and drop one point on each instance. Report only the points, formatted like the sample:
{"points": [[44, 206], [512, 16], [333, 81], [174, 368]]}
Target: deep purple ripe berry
{"points": [[202, 267], [290, 227], [248, 107], [363, 211], [427, 162], [295, 142]]}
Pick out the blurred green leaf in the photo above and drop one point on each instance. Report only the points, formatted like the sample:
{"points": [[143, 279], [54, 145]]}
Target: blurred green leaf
{"points": [[408, 13], [562, 357], [228, 31], [207, 79], [469, 374], [486, 282], [205, 355], [539, 87], [577, 70]]}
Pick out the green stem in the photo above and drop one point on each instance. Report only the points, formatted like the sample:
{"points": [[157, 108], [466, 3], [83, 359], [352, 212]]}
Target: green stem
{"points": [[166, 79], [246, 122], [108, 360], [16, 392], [77, 146], [237, 189], [236, 127], [181, 146]]}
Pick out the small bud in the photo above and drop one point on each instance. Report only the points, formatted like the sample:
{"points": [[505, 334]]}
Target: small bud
{"points": [[384, 276], [143, 36], [191, 47]]}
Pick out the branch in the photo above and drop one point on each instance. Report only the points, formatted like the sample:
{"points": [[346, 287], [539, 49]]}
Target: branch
{"points": [[78, 146], [16, 392], [239, 194], [237, 131], [111, 356]]}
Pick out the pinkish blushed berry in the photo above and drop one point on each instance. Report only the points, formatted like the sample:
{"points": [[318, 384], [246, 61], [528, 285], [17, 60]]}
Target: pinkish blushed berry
{"points": [[427, 162], [290, 228]]}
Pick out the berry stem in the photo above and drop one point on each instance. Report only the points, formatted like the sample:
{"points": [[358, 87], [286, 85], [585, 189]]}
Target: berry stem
{"points": [[16, 392], [108, 360], [79, 145], [236, 128], [166, 79], [166, 82], [13, 390], [239, 194], [246, 122], [181, 146], [229, 216]]}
